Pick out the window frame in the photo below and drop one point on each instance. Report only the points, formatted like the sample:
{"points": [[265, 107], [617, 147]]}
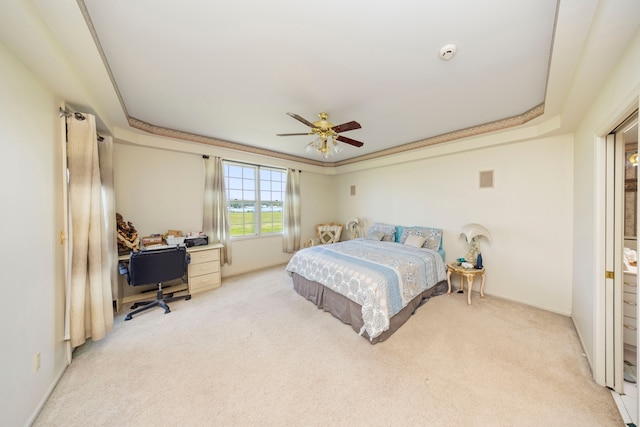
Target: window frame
{"points": [[256, 187]]}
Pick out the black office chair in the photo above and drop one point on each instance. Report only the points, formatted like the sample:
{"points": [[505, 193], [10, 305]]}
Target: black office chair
{"points": [[155, 267]]}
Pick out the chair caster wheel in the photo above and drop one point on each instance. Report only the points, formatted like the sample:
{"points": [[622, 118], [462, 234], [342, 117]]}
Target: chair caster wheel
{"points": [[127, 318], [167, 311], [134, 306], [187, 298]]}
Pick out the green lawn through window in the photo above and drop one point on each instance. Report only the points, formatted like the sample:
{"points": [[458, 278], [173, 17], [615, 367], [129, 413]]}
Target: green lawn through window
{"points": [[271, 223]]}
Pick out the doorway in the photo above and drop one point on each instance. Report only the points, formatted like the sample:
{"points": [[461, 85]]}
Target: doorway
{"points": [[622, 266]]}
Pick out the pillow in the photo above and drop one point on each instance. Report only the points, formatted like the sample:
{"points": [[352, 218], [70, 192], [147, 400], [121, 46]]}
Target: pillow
{"points": [[415, 241], [375, 235], [398, 233], [433, 236], [388, 230]]}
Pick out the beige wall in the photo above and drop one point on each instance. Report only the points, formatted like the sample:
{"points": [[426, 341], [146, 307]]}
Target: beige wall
{"points": [[528, 212], [617, 98], [159, 185], [32, 314], [158, 190]]}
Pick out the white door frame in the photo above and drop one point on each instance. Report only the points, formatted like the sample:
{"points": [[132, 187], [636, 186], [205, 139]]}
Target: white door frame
{"points": [[608, 245]]}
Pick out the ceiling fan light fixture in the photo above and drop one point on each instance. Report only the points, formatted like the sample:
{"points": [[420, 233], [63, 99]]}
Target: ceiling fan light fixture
{"points": [[326, 143], [325, 150], [324, 146], [335, 147], [310, 146], [321, 146]]}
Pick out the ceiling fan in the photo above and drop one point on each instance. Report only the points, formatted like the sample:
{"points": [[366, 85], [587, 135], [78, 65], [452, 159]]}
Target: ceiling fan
{"points": [[328, 134]]}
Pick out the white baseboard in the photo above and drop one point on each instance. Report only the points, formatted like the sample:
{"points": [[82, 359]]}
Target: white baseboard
{"points": [[52, 387]]}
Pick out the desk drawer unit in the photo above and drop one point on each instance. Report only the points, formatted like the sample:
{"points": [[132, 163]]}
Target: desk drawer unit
{"points": [[204, 269]]}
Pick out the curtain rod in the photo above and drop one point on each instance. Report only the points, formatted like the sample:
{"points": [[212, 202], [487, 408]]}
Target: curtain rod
{"points": [[65, 113], [254, 164], [78, 116]]}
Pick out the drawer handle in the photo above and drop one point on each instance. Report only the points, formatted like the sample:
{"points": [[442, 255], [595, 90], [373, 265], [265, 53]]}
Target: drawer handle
{"points": [[635, 285], [633, 328], [630, 302]]}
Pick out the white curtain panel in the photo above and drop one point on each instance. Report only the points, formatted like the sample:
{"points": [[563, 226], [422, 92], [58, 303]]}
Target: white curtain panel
{"points": [[89, 296], [215, 218], [105, 154], [291, 213]]}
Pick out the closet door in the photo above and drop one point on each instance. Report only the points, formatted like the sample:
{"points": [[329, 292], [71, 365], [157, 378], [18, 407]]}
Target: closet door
{"points": [[613, 275], [621, 225]]}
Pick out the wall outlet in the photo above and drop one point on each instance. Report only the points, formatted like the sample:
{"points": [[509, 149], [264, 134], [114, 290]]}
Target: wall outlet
{"points": [[36, 362]]}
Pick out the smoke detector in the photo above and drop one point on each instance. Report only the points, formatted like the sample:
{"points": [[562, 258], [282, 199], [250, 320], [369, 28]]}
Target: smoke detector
{"points": [[448, 51]]}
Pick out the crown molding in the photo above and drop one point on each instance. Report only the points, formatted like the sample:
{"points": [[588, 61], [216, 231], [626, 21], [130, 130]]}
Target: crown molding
{"points": [[495, 126], [201, 139], [498, 125]]}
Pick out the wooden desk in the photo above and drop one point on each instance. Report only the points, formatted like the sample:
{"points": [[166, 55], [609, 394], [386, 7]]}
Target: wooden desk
{"points": [[203, 274]]}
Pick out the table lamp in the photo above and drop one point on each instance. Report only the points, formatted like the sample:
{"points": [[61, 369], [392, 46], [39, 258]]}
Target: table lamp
{"points": [[472, 233]]}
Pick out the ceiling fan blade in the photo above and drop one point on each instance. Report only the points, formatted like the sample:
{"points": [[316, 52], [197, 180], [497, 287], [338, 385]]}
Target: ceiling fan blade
{"points": [[300, 119], [350, 141], [346, 126], [291, 134]]}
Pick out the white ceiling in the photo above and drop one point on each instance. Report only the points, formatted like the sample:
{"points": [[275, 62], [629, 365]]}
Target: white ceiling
{"points": [[226, 73], [231, 70]]}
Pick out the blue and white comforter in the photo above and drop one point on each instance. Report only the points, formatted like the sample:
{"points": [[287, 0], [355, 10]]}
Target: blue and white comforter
{"points": [[380, 276]]}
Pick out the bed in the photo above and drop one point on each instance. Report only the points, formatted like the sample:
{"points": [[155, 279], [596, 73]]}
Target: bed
{"points": [[374, 283]]}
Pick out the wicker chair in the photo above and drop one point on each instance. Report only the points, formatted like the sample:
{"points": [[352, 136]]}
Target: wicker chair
{"points": [[326, 234]]}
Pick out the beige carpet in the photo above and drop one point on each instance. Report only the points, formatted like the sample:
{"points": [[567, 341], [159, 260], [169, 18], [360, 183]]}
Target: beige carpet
{"points": [[253, 352]]}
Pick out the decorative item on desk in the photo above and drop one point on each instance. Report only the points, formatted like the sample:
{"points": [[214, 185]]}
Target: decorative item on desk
{"points": [[175, 240], [128, 239], [472, 233], [175, 233], [174, 237], [196, 239], [152, 240]]}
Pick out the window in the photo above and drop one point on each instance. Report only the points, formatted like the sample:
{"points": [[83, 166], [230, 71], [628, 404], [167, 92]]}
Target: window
{"points": [[255, 195]]}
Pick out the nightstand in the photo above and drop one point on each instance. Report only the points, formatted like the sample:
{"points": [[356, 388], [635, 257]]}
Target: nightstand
{"points": [[469, 273]]}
